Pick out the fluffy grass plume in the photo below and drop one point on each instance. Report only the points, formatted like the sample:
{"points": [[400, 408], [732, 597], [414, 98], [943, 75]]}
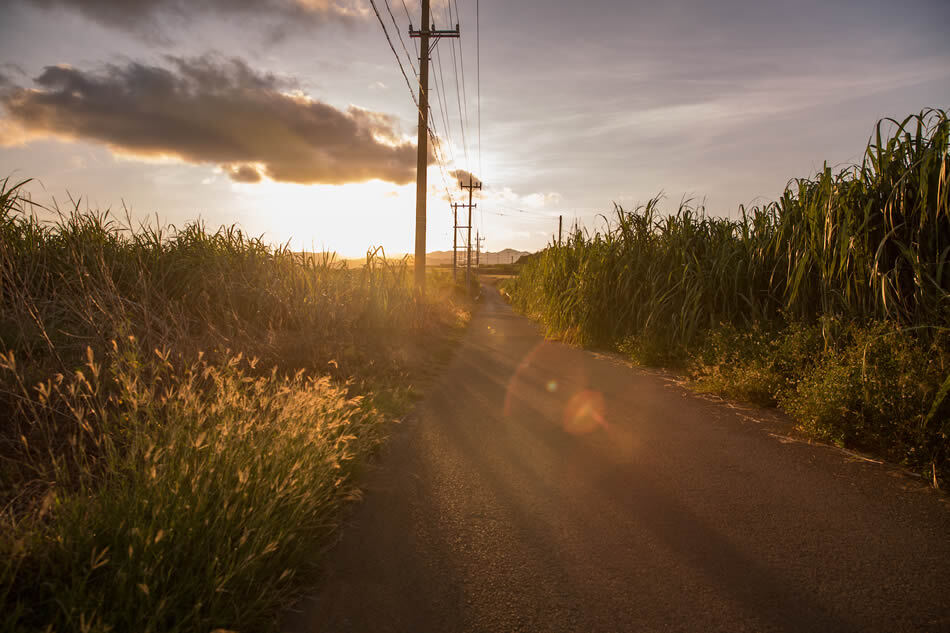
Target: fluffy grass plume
{"points": [[185, 413], [852, 264]]}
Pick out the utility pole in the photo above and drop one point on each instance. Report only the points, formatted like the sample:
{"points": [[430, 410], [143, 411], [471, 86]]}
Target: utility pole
{"points": [[560, 222], [478, 249], [456, 227], [422, 162], [455, 246], [471, 186]]}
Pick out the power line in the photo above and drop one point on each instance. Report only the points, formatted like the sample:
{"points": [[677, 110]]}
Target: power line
{"points": [[431, 125], [409, 56], [442, 98], [437, 141], [393, 48], [429, 36], [402, 69], [478, 80], [529, 217], [478, 84], [448, 10], [455, 68], [462, 65], [534, 213], [401, 41], [415, 45], [458, 94]]}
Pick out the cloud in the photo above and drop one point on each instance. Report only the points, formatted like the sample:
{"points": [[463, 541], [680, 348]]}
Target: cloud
{"points": [[210, 110], [464, 176], [244, 173], [140, 15], [519, 206]]}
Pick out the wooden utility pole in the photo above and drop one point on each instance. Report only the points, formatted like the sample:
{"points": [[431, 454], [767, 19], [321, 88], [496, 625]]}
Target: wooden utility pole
{"points": [[455, 242], [560, 223], [427, 32], [455, 227], [478, 249], [471, 186]]}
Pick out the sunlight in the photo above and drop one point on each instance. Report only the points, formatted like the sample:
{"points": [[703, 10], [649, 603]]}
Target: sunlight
{"points": [[347, 219], [572, 400], [439, 315], [584, 413]]}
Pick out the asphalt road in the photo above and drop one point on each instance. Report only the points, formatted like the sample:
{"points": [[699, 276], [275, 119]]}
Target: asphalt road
{"points": [[540, 487]]}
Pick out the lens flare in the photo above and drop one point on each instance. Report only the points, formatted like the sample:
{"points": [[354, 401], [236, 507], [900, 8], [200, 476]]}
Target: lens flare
{"points": [[584, 413]]}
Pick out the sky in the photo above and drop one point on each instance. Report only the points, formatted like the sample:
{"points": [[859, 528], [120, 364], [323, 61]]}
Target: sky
{"points": [[291, 118]]}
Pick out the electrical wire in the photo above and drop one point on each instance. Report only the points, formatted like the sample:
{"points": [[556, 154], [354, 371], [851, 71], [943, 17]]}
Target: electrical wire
{"points": [[458, 63], [478, 85], [532, 217], [538, 214], [402, 69], [459, 92], [401, 41], [462, 65], [442, 99]]}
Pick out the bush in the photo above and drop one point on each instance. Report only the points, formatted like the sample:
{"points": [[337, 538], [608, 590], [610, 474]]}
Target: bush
{"points": [[831, 300], [878, 388]]}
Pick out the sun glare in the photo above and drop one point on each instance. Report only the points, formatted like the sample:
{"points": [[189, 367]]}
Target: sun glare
{"points": [[347, 219]]}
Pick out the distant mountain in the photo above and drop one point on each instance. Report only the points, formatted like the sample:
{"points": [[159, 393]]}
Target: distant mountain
{"points": [[506, 256], [444, 258]]}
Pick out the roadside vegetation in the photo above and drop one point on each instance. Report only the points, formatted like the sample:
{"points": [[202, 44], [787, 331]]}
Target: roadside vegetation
{"points": [[832, 302], [501, 270], [184, 412]]}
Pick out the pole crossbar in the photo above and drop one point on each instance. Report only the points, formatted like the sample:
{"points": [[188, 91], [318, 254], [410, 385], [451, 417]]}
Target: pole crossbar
{"points": [[434, 32]]}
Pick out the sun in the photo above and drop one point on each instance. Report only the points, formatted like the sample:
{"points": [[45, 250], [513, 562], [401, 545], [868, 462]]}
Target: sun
{"points": [[346, 219]]}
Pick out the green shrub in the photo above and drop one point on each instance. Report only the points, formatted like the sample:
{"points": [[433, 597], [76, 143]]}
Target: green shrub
{"points": [[738, 364], [875, 389], [830, 300]]}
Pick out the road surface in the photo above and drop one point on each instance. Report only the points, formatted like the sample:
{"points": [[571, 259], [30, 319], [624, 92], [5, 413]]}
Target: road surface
{"points": [[540, 487]]}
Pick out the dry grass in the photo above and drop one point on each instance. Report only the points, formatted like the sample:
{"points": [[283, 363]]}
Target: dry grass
{"points": [[188, 411]]}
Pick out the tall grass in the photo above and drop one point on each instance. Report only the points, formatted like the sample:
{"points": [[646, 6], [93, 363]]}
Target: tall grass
{"points": [[866, 244], [185, 412]]}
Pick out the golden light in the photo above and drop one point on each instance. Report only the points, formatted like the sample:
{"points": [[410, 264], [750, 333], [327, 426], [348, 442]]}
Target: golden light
{"points": [[347, 219], [584, 413], [569, 400]]}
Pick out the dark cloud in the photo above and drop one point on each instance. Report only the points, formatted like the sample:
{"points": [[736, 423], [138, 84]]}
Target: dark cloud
{"points": [[141, 15], [211, 110], [243, 173], [464, 177]]}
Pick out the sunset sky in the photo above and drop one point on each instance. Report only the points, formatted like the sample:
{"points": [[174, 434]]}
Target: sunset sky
{"points": [[291, 118]]}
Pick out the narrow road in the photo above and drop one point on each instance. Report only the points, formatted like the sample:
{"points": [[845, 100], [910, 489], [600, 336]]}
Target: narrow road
{"points": [[541, 487]]}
